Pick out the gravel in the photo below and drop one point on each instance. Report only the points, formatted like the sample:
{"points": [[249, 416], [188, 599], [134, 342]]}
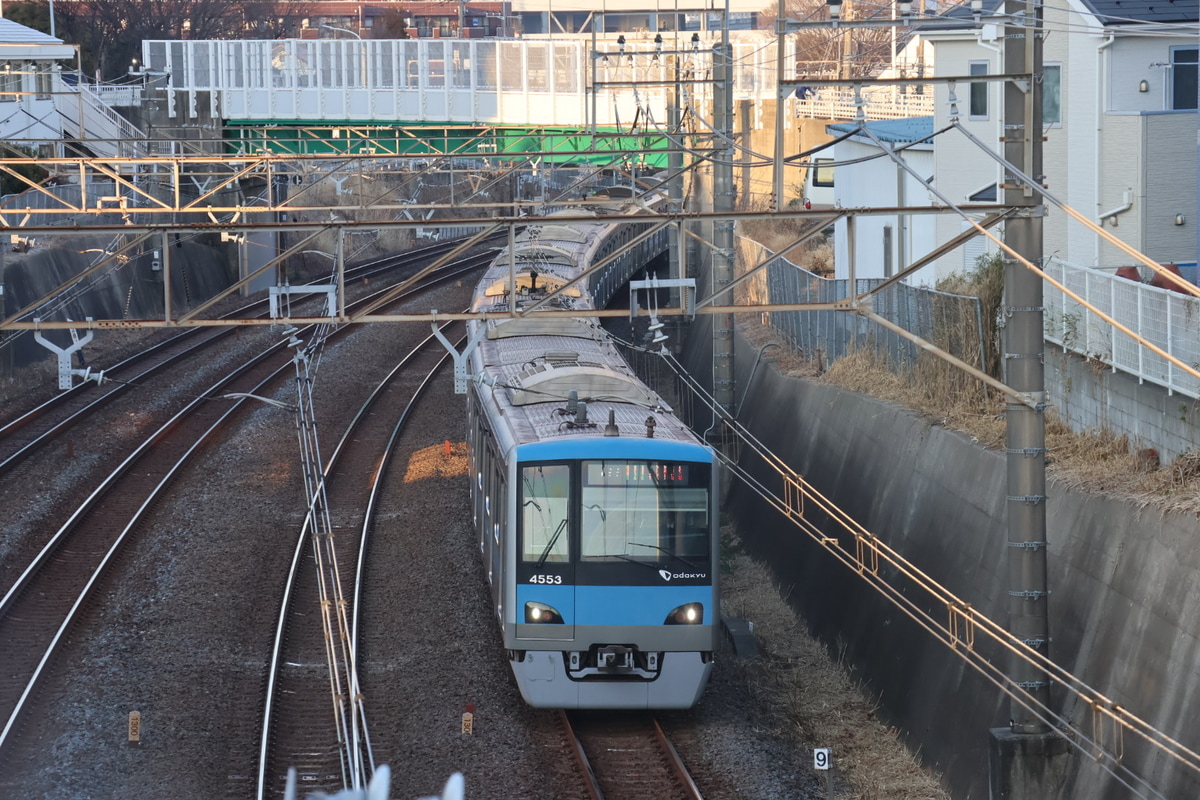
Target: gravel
{"points": [[183, 632]]}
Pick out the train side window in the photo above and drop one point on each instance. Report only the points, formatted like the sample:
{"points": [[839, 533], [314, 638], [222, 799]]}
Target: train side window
{"points": [[501, 505], [544, 497]]}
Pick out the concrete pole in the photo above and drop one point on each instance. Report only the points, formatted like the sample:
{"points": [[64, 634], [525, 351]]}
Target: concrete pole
{"points": [[780, 61], [166, 271], [675, 192], [1023, 353], [723, 228], [1027, 760]]}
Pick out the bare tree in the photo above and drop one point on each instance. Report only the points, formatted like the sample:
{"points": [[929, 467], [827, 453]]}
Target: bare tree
{"points": [[111, 32], [274, 19], [845, 52]]}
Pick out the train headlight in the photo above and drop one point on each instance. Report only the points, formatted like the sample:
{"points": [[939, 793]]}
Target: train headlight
{"points": [[689, 614], [542, 614]]}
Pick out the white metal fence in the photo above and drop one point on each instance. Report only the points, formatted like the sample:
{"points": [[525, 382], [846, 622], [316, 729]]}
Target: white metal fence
{"points": [[1168, 319]]}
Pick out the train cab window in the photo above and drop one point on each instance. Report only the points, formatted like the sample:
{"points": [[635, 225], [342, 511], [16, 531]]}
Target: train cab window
{"points": [[644, 510], [545, 495]]}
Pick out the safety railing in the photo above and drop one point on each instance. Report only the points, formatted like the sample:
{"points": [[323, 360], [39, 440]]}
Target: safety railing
{"points": [[1170, 320]]}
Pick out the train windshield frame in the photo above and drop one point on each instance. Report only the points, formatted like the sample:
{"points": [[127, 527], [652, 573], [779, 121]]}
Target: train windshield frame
{"points": [[612, 512]]}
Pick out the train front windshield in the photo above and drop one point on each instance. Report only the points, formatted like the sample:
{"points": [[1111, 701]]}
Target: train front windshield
{"points": [[616, 510], [645, 510]]}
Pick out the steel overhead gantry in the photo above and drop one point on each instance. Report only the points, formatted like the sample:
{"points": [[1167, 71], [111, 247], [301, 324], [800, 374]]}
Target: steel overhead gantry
{"points": [[212, 184], [304, 232]]}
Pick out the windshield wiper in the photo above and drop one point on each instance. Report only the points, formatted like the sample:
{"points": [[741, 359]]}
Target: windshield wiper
{"points": [[550, 544], [664, 550], [624, 557]]}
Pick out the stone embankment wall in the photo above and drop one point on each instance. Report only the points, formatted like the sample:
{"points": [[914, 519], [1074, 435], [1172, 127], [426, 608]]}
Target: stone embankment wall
{"points": [[1125, 583]]}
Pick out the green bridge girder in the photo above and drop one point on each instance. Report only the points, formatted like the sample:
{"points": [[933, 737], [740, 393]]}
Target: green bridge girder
{"points": [[561, 146]]}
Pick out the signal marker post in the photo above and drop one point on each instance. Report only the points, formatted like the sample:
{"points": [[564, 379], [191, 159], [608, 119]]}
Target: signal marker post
{"points": [[823, 762]]}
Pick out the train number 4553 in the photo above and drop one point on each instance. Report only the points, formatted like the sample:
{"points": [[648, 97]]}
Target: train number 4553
{"points": [[546, 579]]}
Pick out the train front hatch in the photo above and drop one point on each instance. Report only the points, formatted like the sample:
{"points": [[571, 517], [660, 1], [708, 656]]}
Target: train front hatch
{"points": [[545, 565]]}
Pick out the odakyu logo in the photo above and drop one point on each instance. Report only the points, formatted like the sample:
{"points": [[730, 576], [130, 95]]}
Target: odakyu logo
{"points": [[667, 575]]}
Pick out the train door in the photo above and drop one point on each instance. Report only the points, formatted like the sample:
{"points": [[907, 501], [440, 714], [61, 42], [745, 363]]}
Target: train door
{"points": [[497, 537], [494, 527]]}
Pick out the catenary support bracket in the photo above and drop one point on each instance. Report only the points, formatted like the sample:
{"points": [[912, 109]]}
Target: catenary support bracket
{"points": [[460, 359], [65, 371]]}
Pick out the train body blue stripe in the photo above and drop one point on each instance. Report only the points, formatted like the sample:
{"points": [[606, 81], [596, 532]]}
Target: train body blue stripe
{"points": [[614, 447], [615, 605]]}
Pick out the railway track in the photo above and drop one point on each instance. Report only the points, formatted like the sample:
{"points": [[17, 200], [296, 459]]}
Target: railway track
{"points": [[627, 756], [44, 604], [26, 433], [299, 731], [50, 423]]}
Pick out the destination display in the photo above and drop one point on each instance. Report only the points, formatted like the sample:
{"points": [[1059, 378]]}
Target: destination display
{"points": [[635, 473]]}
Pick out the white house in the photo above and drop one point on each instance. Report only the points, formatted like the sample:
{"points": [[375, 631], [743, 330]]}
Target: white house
{"points": [[29, 81], [883, 244], [38, 110], [1120, 96]]}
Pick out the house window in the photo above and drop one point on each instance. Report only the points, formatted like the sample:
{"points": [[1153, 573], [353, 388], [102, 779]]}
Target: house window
{"points": [[822, 172], [1052, 94], [44, 82], [979, 91], [1183, 77], [10, 83]]}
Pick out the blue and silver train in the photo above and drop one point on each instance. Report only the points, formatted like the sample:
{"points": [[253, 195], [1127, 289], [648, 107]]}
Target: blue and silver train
{"points": [[595, 507]]}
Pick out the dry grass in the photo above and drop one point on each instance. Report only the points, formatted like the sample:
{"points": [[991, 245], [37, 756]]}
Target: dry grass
{"points": [[815, 255], [823, 706], [1101, 462]]}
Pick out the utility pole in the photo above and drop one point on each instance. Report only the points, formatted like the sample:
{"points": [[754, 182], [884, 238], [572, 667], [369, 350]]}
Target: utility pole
{"points": [[1027, 760], [675, 255], [846, 45], [723, 206]]}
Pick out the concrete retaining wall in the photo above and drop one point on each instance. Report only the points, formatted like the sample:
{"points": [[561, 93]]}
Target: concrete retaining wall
{"points": [[133, 290], [1088, 398], [1125, 602]]}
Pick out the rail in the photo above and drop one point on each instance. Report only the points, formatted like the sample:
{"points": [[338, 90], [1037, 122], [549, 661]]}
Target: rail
{"points": [[631, 756], [340, 631]]}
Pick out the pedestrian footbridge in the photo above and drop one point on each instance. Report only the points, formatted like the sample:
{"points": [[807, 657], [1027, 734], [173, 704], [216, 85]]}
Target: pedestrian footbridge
{"points": [[564, 85]]}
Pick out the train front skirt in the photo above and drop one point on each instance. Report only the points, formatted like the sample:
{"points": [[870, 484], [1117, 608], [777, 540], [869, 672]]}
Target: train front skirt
{"points": [[543, 678]]}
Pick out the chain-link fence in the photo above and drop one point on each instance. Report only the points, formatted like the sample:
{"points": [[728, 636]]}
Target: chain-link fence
{"points": [[950, 321]]}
